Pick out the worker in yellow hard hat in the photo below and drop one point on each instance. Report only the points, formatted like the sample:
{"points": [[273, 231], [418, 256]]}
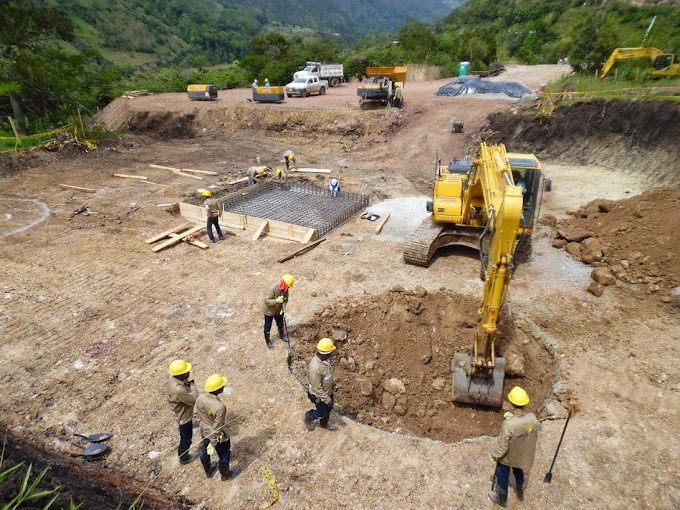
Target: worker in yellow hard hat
{"points": [[288, 159], [266, 82], [515, 447], [182, 395], [255, 173], [321, 386], [280, 175], [212, 417], [274, 300], [214, 213]]}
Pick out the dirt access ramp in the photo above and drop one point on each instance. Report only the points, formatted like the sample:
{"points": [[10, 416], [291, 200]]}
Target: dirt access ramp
{"points": [[85, 344]]}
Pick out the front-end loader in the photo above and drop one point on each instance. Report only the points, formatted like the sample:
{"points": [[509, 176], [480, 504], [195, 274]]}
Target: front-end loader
{"points": [[488, 204], [380, 84]]}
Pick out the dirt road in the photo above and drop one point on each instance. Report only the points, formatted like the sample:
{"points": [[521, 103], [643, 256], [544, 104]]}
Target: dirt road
{"points": [[91, 317]]}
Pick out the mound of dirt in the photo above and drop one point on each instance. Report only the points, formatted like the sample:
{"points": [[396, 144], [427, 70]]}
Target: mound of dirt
{"points": [[638, 239], [635, 137], [393, 361]]}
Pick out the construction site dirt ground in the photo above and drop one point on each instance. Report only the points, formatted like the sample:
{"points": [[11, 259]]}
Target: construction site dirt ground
{"points": [[91, 317]]}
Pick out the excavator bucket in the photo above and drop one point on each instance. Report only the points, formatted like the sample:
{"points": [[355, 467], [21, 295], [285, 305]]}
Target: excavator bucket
{"points": [[469, 389]]}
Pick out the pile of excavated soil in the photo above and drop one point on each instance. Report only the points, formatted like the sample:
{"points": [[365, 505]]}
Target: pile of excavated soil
{"points": [[393, 361], [633, 137], [637, 239]]}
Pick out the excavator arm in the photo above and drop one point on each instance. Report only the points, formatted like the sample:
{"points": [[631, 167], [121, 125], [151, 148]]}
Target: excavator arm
{"points": [[478, 376], [628, 53]]}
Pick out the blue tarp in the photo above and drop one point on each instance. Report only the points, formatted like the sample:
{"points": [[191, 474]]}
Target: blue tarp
{"points": [[476, 85]]}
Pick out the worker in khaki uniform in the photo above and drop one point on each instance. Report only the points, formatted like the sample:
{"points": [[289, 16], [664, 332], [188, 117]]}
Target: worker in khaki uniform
{"points": [[280, 175], [515, 447], [182, 395], [212, 416], [321, 386], [213, 216], [274, 300], [255, 173]]}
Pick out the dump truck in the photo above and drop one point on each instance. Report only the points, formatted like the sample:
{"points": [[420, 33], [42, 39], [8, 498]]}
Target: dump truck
{"points": [[378, 89], [333, 73]]}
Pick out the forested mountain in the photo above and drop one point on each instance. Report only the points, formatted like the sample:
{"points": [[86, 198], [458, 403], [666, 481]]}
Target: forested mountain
{"points": [[203, 32]]}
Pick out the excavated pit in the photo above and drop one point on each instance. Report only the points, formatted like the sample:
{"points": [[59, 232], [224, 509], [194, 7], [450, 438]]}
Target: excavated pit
{"points": [[393, 361]]}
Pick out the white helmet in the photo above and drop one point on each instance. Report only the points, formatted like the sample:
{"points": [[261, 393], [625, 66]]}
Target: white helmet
{"points": [[334, 182]]}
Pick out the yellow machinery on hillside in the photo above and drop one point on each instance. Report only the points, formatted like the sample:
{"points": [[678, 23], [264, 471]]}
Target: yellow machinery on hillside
{"points": [[489, 204], [664, 65], [380, 84], [202, 92]]}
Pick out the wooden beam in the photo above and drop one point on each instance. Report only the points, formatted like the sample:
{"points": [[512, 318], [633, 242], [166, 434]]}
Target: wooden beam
{"points": [[242, 179], [302, 250], [167, 233], [178, 238], [171, 168], [188, 175], [128, 176], [196, 243], [78, 188], [313, 170], [382, 223], [164, 205], [260, 229], [308, 236]]}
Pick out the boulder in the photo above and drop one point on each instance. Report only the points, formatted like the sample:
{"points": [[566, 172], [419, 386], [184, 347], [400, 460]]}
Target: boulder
{"points": [[603, 276], [339, 335], [603, 207], [573, 234], [574, 249], [394, 386], [366, 388], [559, 243], [549, 220], [439, 383], [592, 244], [399, 410], [595, 289], [388, 401], [554, 411], [514, 364]]}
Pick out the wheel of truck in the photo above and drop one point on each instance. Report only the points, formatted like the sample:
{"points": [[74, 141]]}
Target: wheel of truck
{"points": [[322, 91], [303, 93], [289, 95], [362, 105], [334, 82], [547, 185]]}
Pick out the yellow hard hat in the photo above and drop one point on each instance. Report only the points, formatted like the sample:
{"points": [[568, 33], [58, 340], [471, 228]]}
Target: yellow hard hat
{"points": [[518, 396], [288, 278], [279, 171], [325, 346], [266, 79], [207, 193], [215, 382], [179, 367], [261, 170]]}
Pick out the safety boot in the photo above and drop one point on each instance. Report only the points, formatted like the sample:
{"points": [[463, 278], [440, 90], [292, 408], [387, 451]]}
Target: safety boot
{"points": [[187, 458], [209, 468], [499, 496], [268, 340], [228, 474], [328, 426], [520, 493], [310, 421]]}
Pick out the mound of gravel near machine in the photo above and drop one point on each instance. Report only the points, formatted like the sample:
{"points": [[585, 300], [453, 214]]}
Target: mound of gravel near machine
{"points": [[393, 361]]}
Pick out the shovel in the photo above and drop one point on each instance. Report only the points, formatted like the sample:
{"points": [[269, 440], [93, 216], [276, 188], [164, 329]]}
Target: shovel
{"points": [[548, 475], [92, 452], [289, 356], [95, 438]]}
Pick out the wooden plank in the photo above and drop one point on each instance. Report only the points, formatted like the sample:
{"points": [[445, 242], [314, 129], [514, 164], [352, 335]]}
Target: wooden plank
{"points": [[302, 250], [308, 236], [165, 234], [188, 175], [242, 179], [78, 188], [260, 229], [382, 223], [313, 170], [164, 205], [204, 172], [127, 176], [198, 244], [174, 240]]}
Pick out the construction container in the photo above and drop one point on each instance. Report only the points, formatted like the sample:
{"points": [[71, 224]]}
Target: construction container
{"points": [[268, 94], [202, 92], [464, 68]]}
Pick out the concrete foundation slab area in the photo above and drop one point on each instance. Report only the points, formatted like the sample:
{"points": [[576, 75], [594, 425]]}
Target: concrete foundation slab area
{"points": [[296, 211]]}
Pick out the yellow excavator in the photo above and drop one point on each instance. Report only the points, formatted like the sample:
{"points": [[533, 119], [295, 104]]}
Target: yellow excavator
{"points": [[488, 203], [664, 65]]}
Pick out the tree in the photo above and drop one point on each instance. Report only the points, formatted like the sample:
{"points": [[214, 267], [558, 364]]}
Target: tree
{"points": [[593, 40]]}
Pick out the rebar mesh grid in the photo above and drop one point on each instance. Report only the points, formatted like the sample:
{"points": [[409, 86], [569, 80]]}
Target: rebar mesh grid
{"points": [[297, 203]]}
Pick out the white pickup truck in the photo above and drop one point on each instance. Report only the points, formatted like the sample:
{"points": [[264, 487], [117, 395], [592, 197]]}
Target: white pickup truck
{"points": [[306, 85]]}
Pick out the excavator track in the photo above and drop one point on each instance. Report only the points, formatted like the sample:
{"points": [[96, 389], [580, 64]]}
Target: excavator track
{"points": [[420, 248]]}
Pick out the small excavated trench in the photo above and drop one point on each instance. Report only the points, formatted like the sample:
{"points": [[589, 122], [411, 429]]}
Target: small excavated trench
{"points": [[393, 361]]}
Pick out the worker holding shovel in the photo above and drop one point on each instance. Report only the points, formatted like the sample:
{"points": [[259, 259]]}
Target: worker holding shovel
{"points": [[274, 300], [182, 395], [515, 447]]}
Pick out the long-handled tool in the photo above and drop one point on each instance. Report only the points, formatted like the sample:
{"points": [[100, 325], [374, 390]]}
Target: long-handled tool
{"points": [[548, 475], [289, 356], [95, 438]]}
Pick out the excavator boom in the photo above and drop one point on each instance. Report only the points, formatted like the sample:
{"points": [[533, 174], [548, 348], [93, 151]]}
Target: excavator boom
{"points": [[628, 53]]}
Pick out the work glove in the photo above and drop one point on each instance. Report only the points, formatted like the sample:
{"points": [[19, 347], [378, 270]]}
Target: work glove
{"points": [[508, 415], [493, 459], [280, 300], [210, 449]]}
